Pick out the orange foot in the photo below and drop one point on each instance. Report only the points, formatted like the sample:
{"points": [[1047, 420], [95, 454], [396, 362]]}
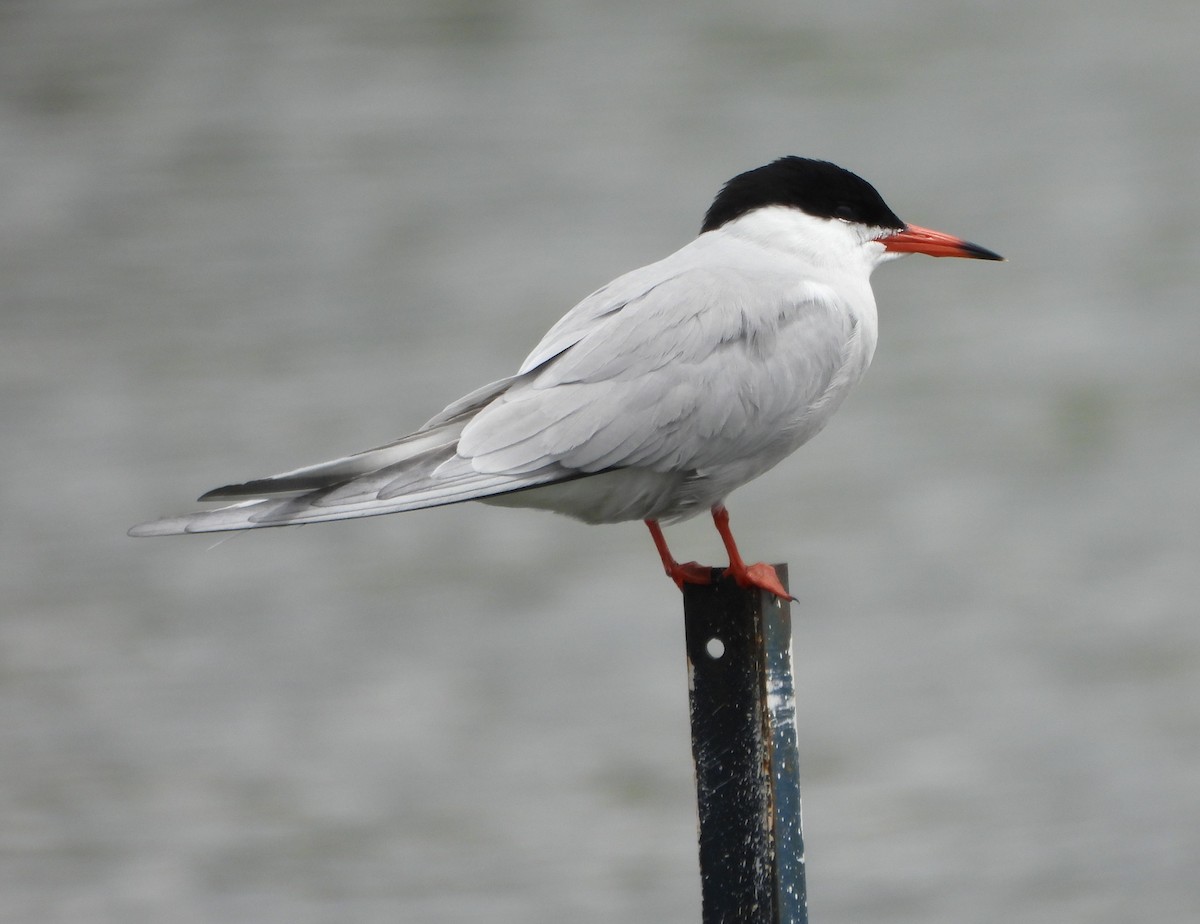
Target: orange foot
{"points": [[758, 575], [689, 572]]}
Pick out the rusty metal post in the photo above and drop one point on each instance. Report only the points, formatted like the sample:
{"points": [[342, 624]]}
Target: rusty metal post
{"points": [[743, 712]]}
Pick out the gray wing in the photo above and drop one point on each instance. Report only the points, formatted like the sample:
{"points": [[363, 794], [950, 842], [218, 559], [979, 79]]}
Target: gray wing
{"points": [[702, 370], [419, 470], [672, 368]]}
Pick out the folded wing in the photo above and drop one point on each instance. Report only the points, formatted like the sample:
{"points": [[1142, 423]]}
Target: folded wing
{"points": [[678, 368]]}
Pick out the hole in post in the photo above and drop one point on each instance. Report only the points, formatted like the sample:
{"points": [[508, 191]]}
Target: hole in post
{"points": [[715, 648]]}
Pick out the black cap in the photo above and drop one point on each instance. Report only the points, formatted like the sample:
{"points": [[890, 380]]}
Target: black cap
{"points": [[817, 187]]}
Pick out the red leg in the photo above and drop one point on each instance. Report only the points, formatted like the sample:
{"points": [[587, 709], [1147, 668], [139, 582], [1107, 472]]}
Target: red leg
{"points": [[756, 575], [687, 573]]}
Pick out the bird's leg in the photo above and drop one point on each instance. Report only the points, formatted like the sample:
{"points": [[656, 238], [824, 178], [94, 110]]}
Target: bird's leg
{"points": [[687, 573], [756, 575]]}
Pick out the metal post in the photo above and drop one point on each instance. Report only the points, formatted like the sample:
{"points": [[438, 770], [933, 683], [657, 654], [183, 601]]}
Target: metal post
{"points": [[743, 711]]}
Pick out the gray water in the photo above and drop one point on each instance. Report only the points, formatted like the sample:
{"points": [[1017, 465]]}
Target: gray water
{"points": [[236, 238]]}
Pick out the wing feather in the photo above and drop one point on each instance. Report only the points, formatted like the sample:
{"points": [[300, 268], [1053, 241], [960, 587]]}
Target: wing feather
{"points": [[316, 507], [703, 369]]}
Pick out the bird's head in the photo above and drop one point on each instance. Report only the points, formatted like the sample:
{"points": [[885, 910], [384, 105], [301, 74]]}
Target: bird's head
{"points": [[845, 211]]}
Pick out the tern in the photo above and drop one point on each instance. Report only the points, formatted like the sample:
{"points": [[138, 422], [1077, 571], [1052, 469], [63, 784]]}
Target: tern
{"points": [[659, 393]]}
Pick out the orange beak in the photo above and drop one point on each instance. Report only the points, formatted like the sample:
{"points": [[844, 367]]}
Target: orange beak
{"points": [[915, 239]]}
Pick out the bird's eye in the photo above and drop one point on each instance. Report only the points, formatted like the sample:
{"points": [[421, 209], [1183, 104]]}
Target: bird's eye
{"points": [[846, 212]]}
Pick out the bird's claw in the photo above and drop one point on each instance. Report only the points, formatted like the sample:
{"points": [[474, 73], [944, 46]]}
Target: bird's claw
{"points": [[760, 575], [689, 572]]}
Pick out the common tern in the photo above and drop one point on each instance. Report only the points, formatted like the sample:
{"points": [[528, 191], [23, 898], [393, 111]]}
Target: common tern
{"points": [[659, 393]]}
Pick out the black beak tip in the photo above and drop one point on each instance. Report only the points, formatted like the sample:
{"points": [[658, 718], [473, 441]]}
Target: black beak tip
{"points": [[982, 253]]}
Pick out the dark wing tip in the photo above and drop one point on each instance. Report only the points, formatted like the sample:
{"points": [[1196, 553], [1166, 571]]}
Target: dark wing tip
{"points": [[266, 487]]}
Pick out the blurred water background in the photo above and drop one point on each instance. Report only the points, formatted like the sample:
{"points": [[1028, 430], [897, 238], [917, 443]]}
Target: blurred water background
{"points": [[240, 237]]}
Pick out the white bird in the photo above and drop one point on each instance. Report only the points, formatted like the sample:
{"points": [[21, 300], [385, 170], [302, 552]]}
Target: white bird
{"points": [[658, 394]]}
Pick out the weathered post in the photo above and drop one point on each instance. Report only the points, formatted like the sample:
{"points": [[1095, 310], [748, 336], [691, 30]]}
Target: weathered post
{"points": [[743, 712]]}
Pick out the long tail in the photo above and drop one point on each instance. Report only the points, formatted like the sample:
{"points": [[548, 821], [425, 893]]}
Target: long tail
{"points": [[420, 470]]}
